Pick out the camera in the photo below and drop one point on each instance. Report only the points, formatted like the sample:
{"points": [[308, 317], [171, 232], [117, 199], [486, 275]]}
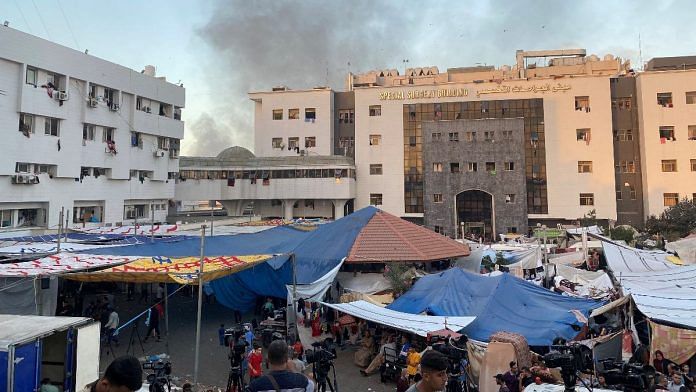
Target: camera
{"points": [[455, 351], [322, 353], [160, 376], [321, 358], [632, 377], [571, 359]]}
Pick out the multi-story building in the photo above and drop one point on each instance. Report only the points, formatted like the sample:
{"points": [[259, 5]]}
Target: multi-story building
{"points": [[584, 136], [82, 134]]}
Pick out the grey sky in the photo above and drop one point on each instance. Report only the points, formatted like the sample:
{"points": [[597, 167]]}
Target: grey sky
{"points": [[221, 50]]}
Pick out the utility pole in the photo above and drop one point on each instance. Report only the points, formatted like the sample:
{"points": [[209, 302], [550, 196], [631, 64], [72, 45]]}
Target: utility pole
{"points": [[200, 307], [60, 226], [152, 222], [212, 218]]}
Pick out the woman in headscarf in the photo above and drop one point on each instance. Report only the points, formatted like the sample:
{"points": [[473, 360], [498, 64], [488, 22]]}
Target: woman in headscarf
{"points": [[660, 363], [367, 347]]}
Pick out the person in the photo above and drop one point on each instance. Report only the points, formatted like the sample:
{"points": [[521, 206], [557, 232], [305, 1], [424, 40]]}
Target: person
{"points": [[526, 378], [221, 334], [144, 293], [153, 324], [111, 325], [187, 387], [255, 360], [412, 361], [405, 346], [688, 376], [268, 308], [160, 292], [434, 372], [316, 326], [124, 374], [297, 364], [237, 317], [593, 262], [279, 378], [512, 378], [380, 358], [677, 384], [363, 356], [297, 348], [500, 380], [89, 310], [601, 382], [660, 363], [46, 386], [130, 291], [660, 382]]}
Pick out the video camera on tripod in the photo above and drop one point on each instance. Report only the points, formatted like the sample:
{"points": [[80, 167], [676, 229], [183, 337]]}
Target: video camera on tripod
{"points": [[160, 376], [571, 359], [633, 377], [455, 351], [321, 358]]}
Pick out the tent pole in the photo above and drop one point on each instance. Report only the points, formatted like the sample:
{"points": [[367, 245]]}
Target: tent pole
{"points": [[200, 306], [60, 226], [294, 297], [152, 223], [166, 313]]}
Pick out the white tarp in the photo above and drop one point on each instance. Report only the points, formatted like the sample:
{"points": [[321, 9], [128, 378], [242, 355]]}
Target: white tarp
{"points": [[592, 284], [227, 230], [590, 230], [685, 248], [141, 229], [561, 388], [621, 258], [366, 283], [18, 329], [314, 291], [62, 263], [49, 247], [414, 323], [668, 295]]}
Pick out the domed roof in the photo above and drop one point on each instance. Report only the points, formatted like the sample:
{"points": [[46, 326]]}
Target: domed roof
{"points": [[235, 152]]}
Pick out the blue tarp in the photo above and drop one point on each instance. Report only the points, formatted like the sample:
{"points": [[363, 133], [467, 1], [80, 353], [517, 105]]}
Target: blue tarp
{"points": [[317, 252], [500, 303]]}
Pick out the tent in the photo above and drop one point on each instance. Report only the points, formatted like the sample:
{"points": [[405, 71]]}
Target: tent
{"points": [[418, 324], [500, 303], [685, 248], [625, 259]]}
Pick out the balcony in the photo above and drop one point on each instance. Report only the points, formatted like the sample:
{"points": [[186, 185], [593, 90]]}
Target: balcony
{"points": [[154, 124]]}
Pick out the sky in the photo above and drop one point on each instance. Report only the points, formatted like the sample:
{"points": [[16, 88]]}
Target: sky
{"points": [[222, 49]]}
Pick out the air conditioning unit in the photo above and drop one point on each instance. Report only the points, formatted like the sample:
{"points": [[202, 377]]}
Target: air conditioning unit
{"points": [[93, 102], [60, 95], [115, 107], [158, 153]]}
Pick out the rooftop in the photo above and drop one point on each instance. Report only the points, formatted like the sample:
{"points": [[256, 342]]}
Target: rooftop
{"points": [[241, 157]]}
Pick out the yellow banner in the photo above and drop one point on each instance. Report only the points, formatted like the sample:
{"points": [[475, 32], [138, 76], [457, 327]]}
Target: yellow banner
{"points": [[183, 270]]}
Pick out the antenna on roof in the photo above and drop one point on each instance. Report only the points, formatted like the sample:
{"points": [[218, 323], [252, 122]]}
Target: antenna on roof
{"points": [[640, 53]]}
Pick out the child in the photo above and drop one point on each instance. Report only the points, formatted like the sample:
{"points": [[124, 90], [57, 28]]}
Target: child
{"points": [[255, 360], [221, 334], [412, 362]]}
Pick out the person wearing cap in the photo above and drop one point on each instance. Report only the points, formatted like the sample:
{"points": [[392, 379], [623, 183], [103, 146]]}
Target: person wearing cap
{"points": [[124, 374], [500, 380], [433, 366]]}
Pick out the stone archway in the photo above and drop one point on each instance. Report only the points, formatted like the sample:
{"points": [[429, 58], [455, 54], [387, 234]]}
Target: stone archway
{"points": [[474, 214]]}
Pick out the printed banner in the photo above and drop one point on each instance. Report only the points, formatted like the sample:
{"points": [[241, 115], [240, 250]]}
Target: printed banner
{"points": [[132, 230], [678, 345], [61, 263]]}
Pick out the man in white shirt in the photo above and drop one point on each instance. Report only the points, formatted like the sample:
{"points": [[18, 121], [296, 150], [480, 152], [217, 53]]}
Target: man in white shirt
{"points": [[111, 326]]}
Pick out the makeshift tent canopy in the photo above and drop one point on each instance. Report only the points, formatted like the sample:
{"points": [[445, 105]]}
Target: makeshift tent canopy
{"points": [[165, 270], [685, 248], [500, 303], [621, 258], [61, 263], [417, 324]]}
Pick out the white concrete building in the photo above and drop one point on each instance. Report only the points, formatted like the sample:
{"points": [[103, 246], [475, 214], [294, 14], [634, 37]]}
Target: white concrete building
{"points": [[84, 134]]}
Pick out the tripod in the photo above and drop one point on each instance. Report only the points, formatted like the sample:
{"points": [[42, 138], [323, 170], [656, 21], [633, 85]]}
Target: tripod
{"points": [[134, 333], [321, 374], [235, 380]]}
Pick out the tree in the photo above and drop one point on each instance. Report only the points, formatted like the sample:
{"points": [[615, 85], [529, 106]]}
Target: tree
{"points": [[589, 219], [622, 233], [679, 220]]}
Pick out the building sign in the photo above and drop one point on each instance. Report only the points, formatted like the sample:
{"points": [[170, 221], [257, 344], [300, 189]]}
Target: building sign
{"points": [[401, 95]]}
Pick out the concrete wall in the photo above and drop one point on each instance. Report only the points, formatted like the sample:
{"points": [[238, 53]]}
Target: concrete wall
{"points": [[503, 182]]}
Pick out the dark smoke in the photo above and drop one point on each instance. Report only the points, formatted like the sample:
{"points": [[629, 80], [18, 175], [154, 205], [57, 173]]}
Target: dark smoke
{"points": [[255, 45]]}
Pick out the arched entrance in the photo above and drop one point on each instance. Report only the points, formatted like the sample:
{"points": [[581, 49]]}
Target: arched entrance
{"points": [[475, 214]]}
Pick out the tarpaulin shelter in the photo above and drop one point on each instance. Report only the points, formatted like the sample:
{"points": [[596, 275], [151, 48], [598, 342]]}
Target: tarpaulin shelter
{"points": [[415, 323], [500, 303], [685, 248], [623, 258]]}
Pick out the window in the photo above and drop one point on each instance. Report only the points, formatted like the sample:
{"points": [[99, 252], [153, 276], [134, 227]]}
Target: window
{"points": [[437, 167], [584, 166], [136, 139], [623, 135], [376, 199], [667, 133], [52, 79], [375, 140], [88, 131], [693, 165], [310, 141], [293, 143], [692, 132], [277, 114], [51, 126], [438, 229], [509, 166], [293, 114], [454, 167], [582, 103], [669, 165], [691, 97], [26, 124], [664, 99], [472, 166], [163, 143], [32, 75], [277, 142], [471, 136], [310, 114], [108, 135], [587, 199], [507, 135], [22, 167], [454, 136], [632, 191], [44, 169], [489, 136], [375, 169], [626, 167], [437, 136], [583, 134], [490, 167], [346, 116], [623, 103], [619, 196], [437, 197], [671, 199], [5, 218], [510, 198], [375, 110]]}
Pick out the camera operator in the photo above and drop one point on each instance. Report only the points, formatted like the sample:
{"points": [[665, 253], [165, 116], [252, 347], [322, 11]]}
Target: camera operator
{"points": [[122, 375], [433, 366], [280, 379]]}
